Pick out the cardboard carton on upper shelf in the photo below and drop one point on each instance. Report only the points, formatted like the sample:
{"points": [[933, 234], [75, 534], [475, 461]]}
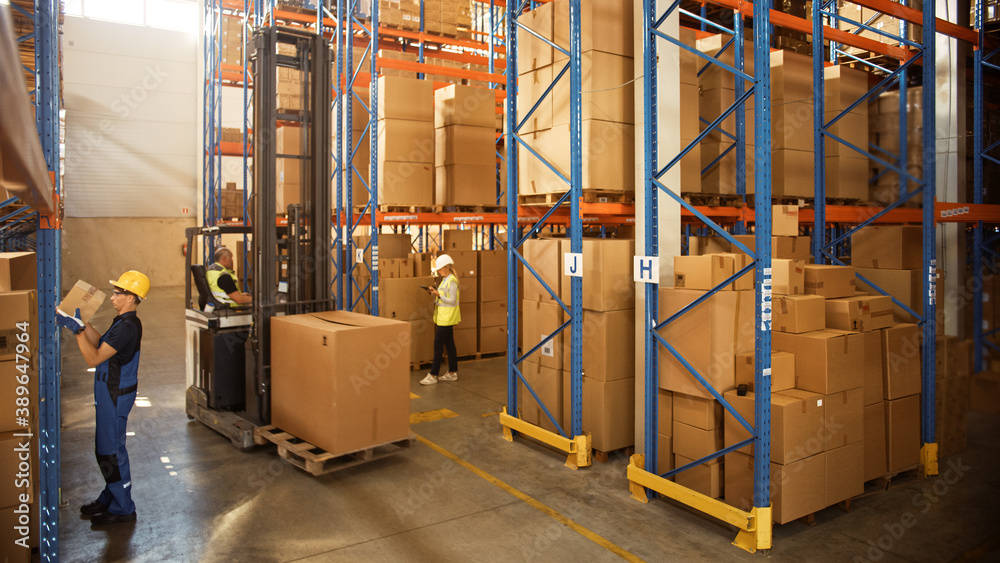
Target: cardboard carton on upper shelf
{"points": [[785, 221], [787, 276], [798, 313], [465, 144], [797, 423], [826, 361], [790, 248], [830, 281], [696, 443], [708, 337], [904, 285], [702, 272], [605, 25], [545, 259], [466, 184], [530, 87], [894, 247], [18, 271], [405, 99], [608, 157], [405, 183], [608, 89], [532, 52], [458, 104], [404, 140], [318, 362], [859, 314], [457, 239]]}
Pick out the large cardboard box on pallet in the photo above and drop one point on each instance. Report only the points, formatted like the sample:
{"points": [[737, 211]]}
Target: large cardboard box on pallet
{"points": [[403, 140], [843, 418], [902, 431], [547, 383], [405, 98], [708, 337], [465, 184], [608, 345], [403, 299], [901, 361], [607, 274], [797, 423], [341, 380], [532, 52], [894, 247], [544, 256], [18, 271], [608, 412], [530, 87], [859, 313], [464, 105], [608, 157], [798, 313], [607, 86], [875, 455], [698, 412], [797, 489], [605, 25], [465, 144], [540, 320], [826, 361], [845, 472], [405, 183]]}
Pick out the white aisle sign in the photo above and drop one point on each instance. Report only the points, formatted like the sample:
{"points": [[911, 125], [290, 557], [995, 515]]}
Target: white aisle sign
{"points": [[573, 264], [646, 269]]}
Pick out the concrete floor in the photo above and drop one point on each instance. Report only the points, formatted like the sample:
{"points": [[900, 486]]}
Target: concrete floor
{"points": [[200, 499]]}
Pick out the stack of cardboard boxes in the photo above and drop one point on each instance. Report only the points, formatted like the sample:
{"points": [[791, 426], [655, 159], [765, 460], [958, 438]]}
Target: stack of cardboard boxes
{"points": [[405, 141], [464, 146], [18, 390], [608, 302], [883, 132], [688, 125], [878, 20], [231, 202], [846, 169], [492, 301], [232, 40], [716, 88], [951, 396], [607, 105]]}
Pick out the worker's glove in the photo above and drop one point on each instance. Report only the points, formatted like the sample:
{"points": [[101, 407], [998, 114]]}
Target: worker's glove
{"points": [[73, 324]]}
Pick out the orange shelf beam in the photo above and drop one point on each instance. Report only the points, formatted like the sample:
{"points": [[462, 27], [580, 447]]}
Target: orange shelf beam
{"points": [[911, 15]]}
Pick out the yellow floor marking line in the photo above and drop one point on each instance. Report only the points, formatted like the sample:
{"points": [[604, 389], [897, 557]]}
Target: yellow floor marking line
{"points": [[427, 416], [414, 395], [592, 536], [485, 414]]}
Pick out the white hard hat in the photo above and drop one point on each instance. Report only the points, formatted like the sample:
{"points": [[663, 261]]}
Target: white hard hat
{"points": [[441, 262]]}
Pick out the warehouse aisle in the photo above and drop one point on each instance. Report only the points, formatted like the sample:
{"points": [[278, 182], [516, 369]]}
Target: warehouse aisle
{"points": [[462, 493]]}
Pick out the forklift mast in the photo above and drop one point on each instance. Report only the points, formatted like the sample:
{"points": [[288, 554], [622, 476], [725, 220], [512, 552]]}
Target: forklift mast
{"points": [[303, 243]]}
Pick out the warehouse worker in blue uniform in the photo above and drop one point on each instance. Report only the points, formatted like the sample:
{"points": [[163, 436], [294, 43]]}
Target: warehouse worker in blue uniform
{"points": [[116, 357], [222, 281], [446, 316]]}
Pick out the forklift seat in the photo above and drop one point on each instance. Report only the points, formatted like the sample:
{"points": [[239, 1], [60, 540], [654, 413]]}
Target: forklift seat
{"points": [[204, 294]]}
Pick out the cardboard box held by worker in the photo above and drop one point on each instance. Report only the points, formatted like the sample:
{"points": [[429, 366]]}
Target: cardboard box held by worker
{"points": [[85, 297]]}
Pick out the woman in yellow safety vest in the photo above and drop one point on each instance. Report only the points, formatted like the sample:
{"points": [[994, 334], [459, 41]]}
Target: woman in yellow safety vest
{"points": [[446, 316]]}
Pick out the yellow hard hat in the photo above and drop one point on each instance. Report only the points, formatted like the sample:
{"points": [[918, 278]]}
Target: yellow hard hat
{"points": [[133, 281]]}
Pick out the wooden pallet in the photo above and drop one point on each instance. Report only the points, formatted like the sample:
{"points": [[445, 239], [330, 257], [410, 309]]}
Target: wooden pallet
{"points": [[713, 200], [472, 209], [623, 453], [315, 460], [405, 208], [589, 196], [296, 9]]}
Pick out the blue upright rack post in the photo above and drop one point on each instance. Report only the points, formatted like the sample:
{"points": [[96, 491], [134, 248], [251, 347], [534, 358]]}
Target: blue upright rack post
{"points": [[340, 260], [49, 245], [574, 442], [754, 526], [928, 452]]}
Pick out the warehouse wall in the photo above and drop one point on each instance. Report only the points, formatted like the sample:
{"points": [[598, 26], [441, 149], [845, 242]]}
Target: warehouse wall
{"points": [[131, 98]]}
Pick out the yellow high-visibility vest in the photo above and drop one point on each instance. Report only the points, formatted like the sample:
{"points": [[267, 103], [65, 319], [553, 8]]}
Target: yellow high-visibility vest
{"points": [[212, 275], [447, 315]]}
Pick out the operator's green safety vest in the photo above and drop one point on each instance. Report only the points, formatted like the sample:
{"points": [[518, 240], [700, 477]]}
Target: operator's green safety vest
{"points": [[212, 275], [445, 315]]}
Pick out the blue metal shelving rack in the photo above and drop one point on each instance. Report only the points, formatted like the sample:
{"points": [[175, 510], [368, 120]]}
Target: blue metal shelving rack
{"points": [[984, 242], [824, 250], [370, 179], [754, 526], [16, 235], [572, 440]]}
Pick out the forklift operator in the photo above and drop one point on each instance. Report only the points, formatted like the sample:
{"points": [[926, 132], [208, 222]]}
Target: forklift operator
{"points": [[222, 280]]}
